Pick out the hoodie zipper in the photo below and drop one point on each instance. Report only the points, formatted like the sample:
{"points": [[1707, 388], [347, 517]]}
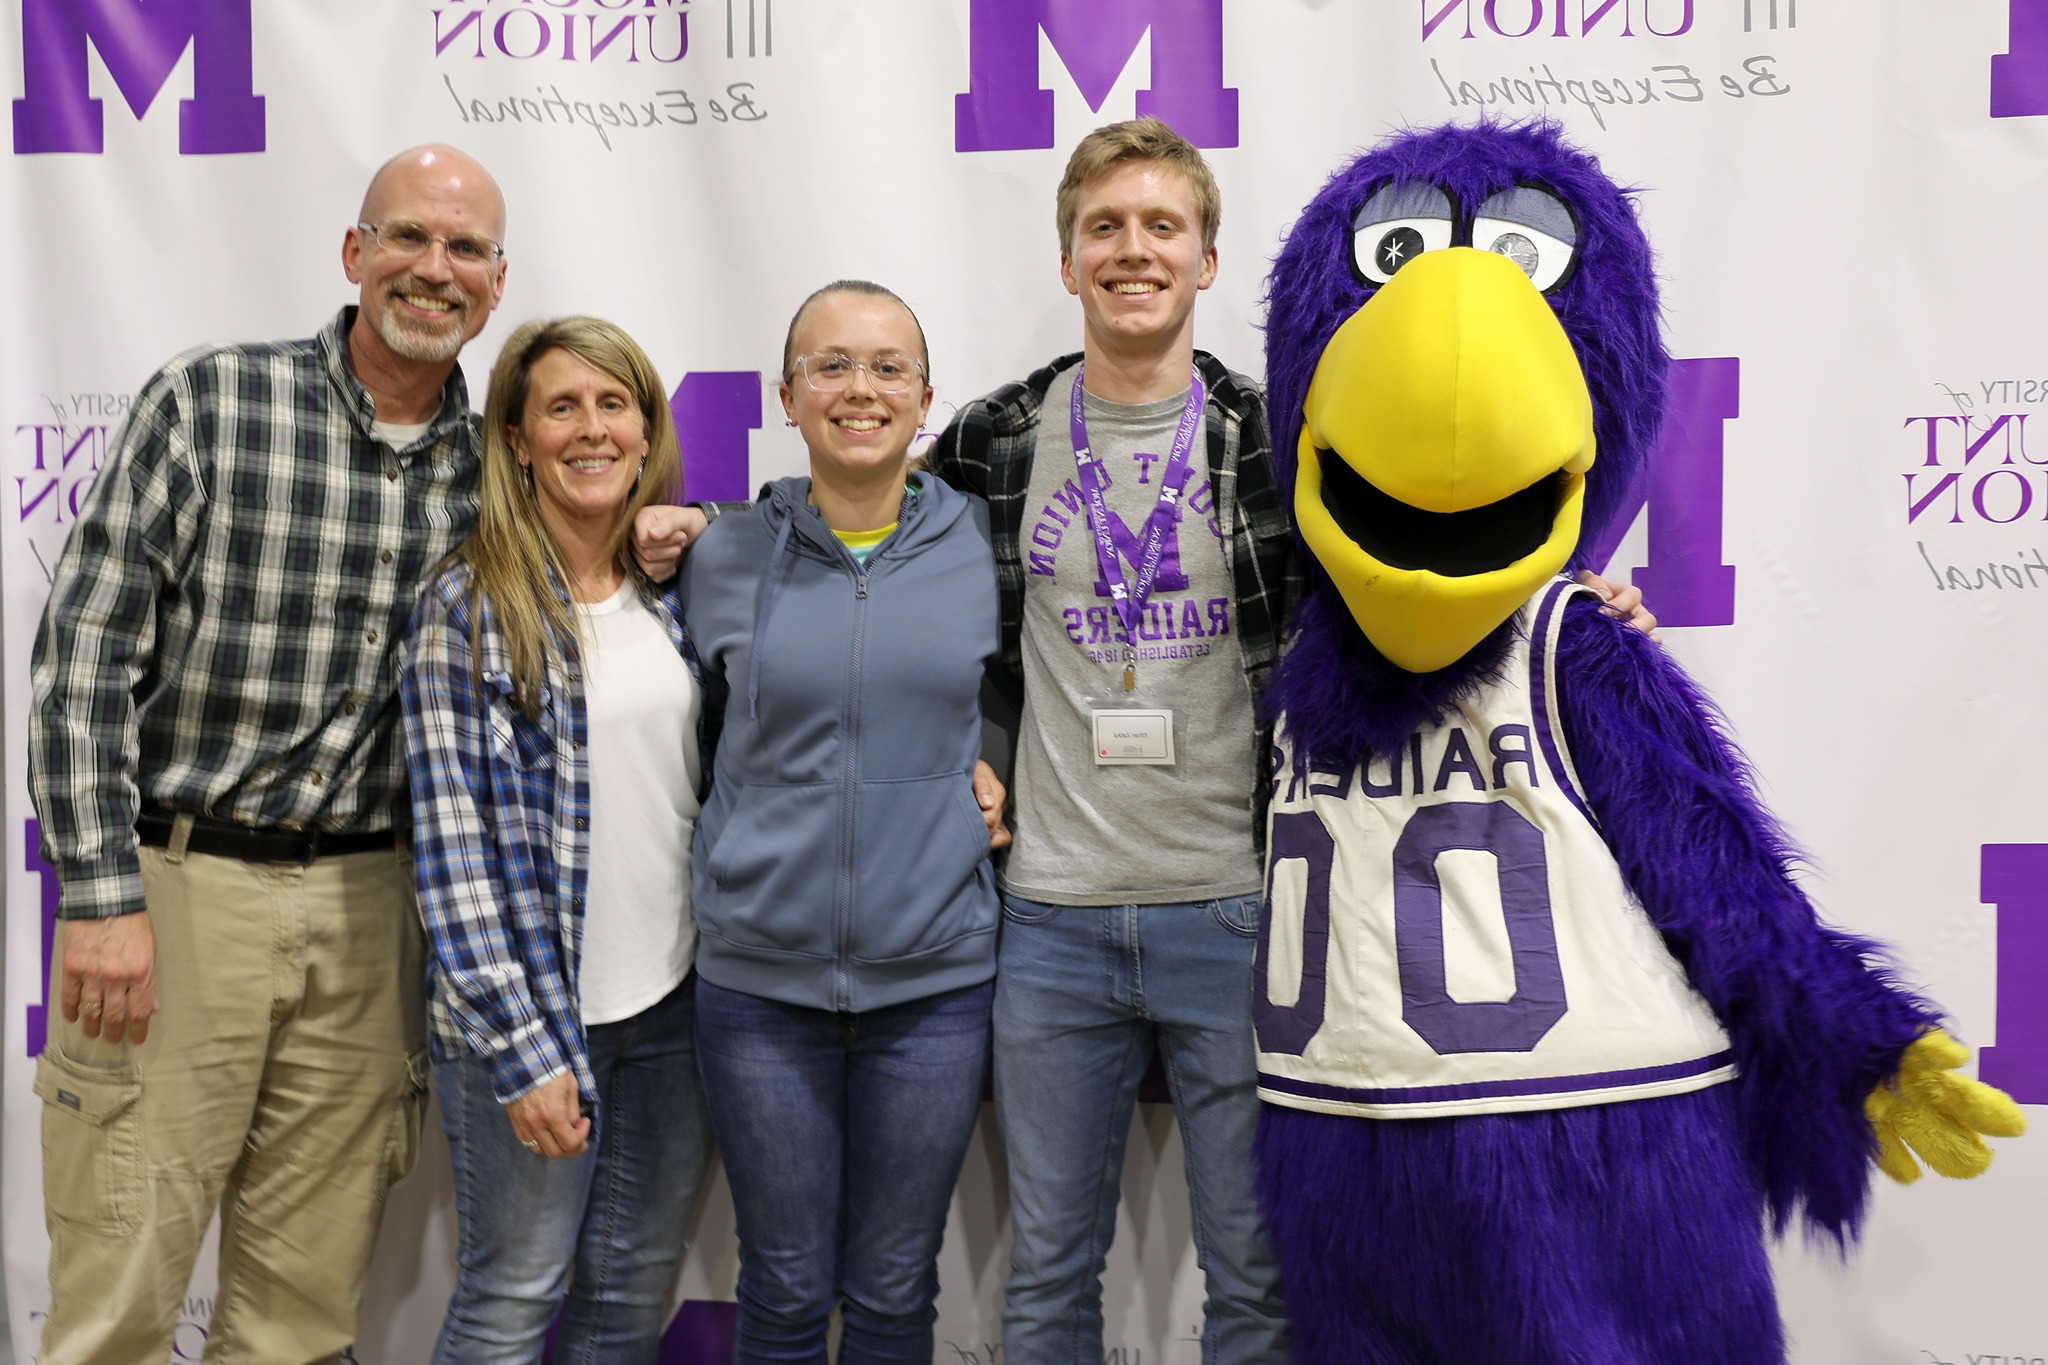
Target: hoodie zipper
{"points": [[847, 825]]}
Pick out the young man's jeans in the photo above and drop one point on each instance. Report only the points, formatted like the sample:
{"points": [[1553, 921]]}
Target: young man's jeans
{"points": [[618, 1213], [843, 1136], [1083, 995]]}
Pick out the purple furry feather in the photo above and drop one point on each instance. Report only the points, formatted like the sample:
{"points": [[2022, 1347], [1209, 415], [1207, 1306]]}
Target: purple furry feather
{"points": [[1342, 698], [1816, 1017], [1614, 1234], [1628, 1232], [1610, 1233], [1609, 310]]}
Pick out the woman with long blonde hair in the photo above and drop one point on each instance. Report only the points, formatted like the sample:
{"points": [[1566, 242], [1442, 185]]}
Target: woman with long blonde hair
{"points": [[552, 710]]}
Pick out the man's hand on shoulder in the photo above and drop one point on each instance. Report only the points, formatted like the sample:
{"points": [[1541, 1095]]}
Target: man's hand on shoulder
{"points": [[1623, 601], [109, 975], [660, 535]]}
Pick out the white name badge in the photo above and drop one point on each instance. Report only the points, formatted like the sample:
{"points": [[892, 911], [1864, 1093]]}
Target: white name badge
{"points": [[1132, 736]]}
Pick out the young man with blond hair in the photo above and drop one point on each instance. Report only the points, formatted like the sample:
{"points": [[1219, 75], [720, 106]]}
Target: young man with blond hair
{"points": [[1131, 894]]}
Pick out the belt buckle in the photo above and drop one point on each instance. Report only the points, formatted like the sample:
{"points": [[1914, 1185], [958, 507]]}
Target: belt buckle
{"points": [[312, 849]]}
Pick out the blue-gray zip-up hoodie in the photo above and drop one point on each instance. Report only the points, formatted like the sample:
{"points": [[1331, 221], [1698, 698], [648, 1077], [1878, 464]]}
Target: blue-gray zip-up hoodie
{"points": [[841, 861]]}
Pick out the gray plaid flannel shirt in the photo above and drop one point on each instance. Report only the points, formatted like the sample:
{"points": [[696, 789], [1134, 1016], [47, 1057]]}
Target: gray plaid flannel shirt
{"points": [[222, 629]]}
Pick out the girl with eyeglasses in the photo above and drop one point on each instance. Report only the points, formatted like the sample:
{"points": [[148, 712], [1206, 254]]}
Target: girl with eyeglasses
{"points": [[845, 903]]}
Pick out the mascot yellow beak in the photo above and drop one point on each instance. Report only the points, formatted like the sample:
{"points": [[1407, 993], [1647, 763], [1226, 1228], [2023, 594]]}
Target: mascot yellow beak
{"points": [[1444, 448]]}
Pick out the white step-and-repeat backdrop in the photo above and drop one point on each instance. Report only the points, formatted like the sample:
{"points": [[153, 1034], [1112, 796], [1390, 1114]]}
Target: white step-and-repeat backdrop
{"points": [[1847, 537]]}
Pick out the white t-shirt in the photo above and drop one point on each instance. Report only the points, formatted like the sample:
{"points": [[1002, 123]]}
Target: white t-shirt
{"points": [[641, 707], [399, 435]]}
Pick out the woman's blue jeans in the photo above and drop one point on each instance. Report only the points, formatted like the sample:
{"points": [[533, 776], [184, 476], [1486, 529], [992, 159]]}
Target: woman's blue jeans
{"points": [[616, 1215], [843, 1136]]}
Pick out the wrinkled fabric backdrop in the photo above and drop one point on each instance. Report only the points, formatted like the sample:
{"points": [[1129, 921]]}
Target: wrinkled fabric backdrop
{"points": [[1844, 535]]}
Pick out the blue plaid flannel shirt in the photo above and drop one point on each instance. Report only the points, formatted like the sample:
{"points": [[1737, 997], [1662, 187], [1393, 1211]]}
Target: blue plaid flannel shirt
{"points": [[501, 838]]}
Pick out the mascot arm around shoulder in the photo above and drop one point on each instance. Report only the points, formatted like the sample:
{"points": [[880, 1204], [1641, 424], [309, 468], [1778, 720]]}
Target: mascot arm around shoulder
{"points": [[1549, 1036]]}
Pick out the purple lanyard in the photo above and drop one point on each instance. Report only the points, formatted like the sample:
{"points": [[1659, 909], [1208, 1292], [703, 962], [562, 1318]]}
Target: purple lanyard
{"points": [[1129, 598]]}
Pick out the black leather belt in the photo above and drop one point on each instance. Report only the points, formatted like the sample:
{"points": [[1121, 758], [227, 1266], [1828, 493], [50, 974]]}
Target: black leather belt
{"points": [[251, 844]]}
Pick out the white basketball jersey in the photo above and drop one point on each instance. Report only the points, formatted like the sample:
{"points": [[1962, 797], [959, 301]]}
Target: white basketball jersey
{"points": [[1447, 933]]}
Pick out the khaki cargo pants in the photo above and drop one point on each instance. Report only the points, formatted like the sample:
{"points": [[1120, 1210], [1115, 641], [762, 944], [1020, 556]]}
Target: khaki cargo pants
{"points": [[283, 1082]]}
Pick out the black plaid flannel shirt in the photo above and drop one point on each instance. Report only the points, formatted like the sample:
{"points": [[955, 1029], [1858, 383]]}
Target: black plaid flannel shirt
{"points": [[222, 629], [988, 448]]}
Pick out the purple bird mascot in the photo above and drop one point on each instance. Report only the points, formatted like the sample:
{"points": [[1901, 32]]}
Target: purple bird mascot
{"points": [[1549, 1036]]}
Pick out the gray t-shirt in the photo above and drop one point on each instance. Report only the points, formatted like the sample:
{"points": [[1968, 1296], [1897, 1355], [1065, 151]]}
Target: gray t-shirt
{"points": [[1095, 835]]}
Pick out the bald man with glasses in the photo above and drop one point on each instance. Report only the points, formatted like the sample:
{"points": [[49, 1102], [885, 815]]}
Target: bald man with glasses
{"points": [[215, 762]]}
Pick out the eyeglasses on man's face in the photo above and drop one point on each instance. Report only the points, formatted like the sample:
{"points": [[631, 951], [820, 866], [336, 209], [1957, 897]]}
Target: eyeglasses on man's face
{"points": [[405, 240]]}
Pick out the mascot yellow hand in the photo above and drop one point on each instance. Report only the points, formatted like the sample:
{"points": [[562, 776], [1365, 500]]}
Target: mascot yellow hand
{"points": [[1938, 1113]]}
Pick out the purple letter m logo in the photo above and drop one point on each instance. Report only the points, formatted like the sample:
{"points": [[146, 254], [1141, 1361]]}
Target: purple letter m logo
{"points": [[2019, 77], [140, 41], [1004, 110]]}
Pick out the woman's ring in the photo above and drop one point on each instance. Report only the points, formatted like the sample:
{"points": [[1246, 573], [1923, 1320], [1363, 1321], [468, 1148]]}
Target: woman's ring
{"points": [[529, 1144]]}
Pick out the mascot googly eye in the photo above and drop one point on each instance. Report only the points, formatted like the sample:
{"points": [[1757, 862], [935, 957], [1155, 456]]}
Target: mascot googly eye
{"points": [[1530, 226], [1549, 1035]]}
